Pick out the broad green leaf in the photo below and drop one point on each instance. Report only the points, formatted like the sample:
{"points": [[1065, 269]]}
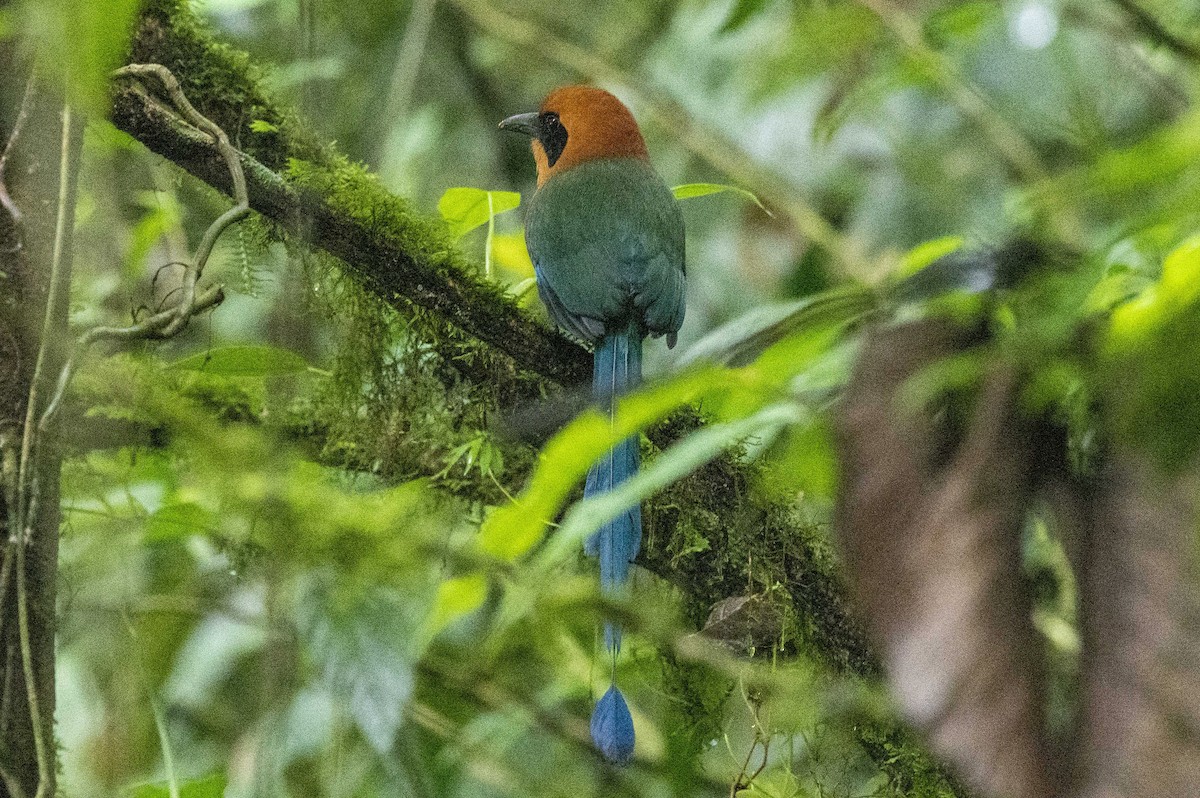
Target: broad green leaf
{"points": [[741, 13], [692, 190], [509, 252], [1177, 290], [962, 21], [364, 642], [244, 361], [208, 787], [178, 520], [465, 208], [745, 338], [262, 126], [1155, 158], [803, 462], [1117, 286], [926, 253], [456, 597]]}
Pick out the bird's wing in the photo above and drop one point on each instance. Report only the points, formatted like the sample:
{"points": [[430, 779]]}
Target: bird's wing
{"points": [[582, 327], [658, 291]]}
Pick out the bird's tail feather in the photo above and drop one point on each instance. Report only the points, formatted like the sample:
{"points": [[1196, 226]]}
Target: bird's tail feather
{"points": [[618, 368], [612, 727]]}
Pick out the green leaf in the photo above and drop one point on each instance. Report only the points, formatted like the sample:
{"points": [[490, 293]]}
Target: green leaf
{"points": [[177, 520], [208, 787], [1177, 290], [692, 190], [962, 20], [364, 642], [740, 341], [741, 13], [456, 597], [262, 126], [926, 253], [803, 461], [244, 361], [464, 208]]}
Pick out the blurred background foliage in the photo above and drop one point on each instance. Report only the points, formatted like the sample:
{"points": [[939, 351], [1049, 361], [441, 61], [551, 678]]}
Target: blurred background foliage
{"points": [[278, 590]]}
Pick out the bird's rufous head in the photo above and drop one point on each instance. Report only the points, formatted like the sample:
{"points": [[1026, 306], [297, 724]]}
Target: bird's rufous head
{"points": [[577, 124]]}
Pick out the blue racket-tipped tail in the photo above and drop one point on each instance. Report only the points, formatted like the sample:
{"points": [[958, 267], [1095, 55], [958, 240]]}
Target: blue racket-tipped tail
{"points": [[618, 368], [612, 727]]}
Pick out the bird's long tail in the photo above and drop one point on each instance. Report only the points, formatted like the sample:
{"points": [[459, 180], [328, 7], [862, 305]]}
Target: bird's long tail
{"points": [[618, 368]]}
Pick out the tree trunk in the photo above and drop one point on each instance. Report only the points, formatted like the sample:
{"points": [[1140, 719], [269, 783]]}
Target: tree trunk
{"points": [[31, 178]]}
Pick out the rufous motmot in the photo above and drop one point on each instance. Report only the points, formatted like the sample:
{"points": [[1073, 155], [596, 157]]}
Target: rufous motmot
{"points": [[606, 238]]}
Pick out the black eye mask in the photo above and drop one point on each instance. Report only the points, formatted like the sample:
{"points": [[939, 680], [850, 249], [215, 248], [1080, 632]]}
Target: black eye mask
{"points": [[552, 135]]}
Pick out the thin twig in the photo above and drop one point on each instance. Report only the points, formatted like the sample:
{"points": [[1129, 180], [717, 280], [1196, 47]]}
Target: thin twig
{"points": [[1011, 144], [54, 308], [6, 572], [164, 742], [1020, 155], [408, 62], [1149, 26], [31, 690], [10, 652], [26, 496]]}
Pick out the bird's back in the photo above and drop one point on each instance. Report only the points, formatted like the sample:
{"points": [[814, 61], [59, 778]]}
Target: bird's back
{"points": [[607, 240]]}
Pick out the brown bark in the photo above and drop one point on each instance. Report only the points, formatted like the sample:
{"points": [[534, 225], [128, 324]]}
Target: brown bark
{"points": [[931, 521]]}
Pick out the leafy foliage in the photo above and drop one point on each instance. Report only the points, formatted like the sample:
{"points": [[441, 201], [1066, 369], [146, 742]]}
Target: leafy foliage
{"points": [[336, 551]]}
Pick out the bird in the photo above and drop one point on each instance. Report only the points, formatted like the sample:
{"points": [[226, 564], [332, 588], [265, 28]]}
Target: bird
{"points": [[606, 238]]}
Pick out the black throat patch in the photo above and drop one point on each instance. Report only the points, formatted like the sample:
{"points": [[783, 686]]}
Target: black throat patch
{"points": [[552, 135]]}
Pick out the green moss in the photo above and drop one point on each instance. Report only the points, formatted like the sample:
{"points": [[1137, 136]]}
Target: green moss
{"points": [[395, 407], [223, 83], [350, 189], [910, 771]]}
